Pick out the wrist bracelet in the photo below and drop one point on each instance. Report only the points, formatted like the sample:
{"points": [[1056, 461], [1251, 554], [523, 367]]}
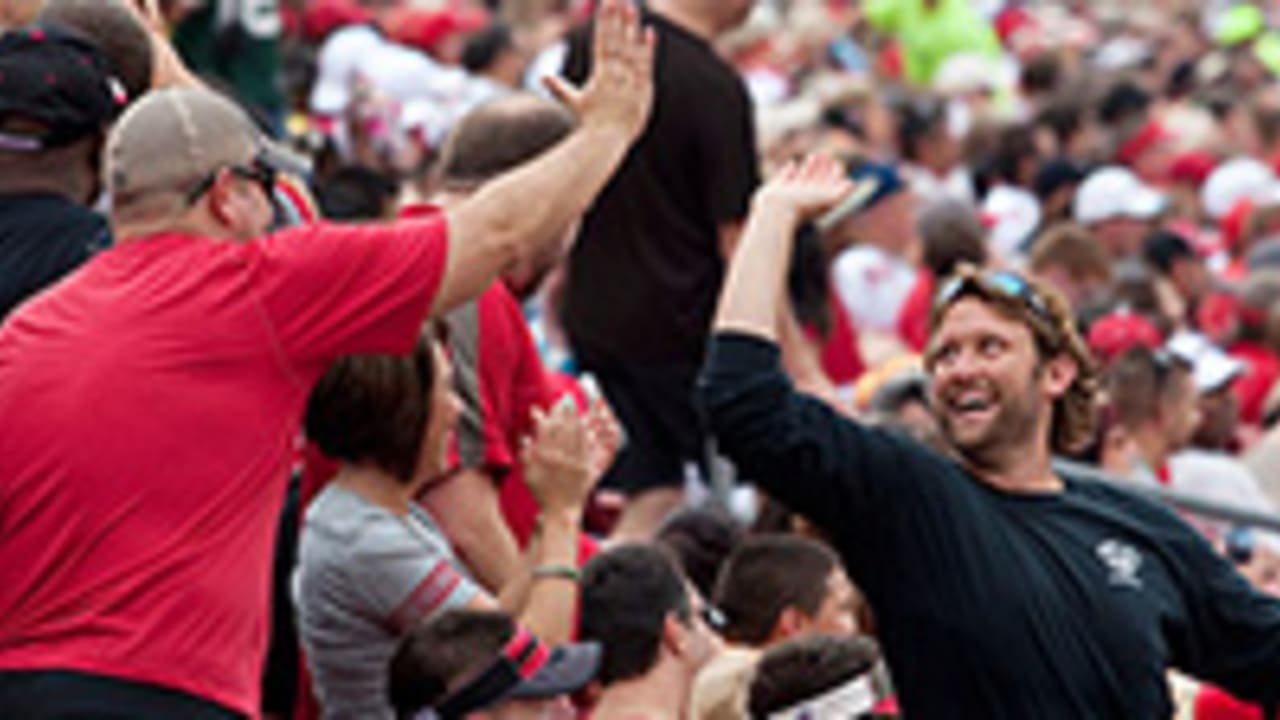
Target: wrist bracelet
{"points": [[564, 572]]}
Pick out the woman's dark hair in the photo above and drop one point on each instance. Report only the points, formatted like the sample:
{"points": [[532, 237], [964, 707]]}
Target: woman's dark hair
{"points": [[373, 409], [807, 283]]}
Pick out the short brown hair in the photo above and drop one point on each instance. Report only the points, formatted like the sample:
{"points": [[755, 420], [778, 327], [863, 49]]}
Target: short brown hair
{"points": [[1075, 413], [374, 409], [1137, 382], [1074, 249], [764, 576], [499, 136]]}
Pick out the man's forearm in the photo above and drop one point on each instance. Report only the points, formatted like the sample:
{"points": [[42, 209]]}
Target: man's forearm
{"points": [[466, 507], [519, 213], [755, 285], [551, 600]]}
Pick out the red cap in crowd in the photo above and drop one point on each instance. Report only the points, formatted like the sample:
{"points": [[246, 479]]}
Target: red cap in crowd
{"points": [[1111, 335], [1192, 167], [425, 29], [1147, 137], [324, 16]]}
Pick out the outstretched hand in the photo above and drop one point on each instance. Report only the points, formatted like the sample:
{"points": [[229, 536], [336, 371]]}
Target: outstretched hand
{"points": [[619, 92], [806, 187]]}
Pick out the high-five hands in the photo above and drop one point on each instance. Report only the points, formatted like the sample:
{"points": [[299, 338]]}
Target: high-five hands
{"points": [[619, 92]]}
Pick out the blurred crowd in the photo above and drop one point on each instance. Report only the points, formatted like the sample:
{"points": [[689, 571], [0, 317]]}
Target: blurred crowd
{"points": [[521, 514]]}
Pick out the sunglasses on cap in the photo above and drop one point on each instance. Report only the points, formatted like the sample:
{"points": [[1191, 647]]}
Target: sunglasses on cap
{"points": [[995, 282], [258, 171], [713, 617]]}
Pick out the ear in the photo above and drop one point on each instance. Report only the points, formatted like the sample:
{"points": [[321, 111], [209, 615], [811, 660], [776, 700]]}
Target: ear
{"points": [[221, 196], [791, 622], [675, 636], [1060, 372]]}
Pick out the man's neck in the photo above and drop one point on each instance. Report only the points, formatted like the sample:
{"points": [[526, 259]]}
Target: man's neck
{"points": [[680, 14], [1152, 446], [661, 694], [1022, 470]]}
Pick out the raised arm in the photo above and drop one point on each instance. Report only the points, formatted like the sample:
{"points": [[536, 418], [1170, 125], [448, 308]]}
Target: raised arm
{"points": [[795, 447], [519, 213], [560, 472]]}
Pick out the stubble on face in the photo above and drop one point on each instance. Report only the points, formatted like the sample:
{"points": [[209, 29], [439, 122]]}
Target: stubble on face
{"points": [[1012, 426]]}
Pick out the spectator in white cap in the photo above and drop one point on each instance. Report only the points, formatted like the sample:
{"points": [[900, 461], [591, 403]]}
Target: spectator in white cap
{"points": [[1119, 208], [1242, 178], [1205, 468]]}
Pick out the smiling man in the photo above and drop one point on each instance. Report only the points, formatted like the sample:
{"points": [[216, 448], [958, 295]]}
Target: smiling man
{"points": [[1001, 588]]}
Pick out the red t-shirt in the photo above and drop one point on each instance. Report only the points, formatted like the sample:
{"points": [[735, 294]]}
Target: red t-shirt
{"points": [[153, 399], [502, 379], [840, 358], [1262, 370], [1215, 704], [913, 319]]}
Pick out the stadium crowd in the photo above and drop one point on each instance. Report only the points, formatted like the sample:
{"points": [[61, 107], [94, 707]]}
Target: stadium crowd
{"points": [[705, 359]]}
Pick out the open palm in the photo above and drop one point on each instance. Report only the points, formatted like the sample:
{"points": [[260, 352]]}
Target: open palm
{"points": [[807, 186]]}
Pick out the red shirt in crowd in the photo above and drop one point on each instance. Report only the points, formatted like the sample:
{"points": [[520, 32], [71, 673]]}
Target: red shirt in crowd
{"points": [[503, 378], [1215, 704], [1262, 370], [840, 358], [152, 401]]}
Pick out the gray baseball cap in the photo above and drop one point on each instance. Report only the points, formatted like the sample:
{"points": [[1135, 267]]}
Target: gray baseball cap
{"points": [[173, 139]]}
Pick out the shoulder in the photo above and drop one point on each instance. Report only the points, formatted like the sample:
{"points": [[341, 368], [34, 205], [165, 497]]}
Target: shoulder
{"points": [[340, 521], [1090, 487]]}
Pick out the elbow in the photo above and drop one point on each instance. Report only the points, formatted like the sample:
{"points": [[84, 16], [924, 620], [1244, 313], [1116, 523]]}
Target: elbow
{"points": [[505, 239]]}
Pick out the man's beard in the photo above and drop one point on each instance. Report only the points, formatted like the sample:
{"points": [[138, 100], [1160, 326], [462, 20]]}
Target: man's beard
{"points": [[1014, 424]]}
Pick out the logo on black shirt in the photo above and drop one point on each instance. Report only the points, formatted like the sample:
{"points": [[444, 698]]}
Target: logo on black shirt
{"points": [[1123, 560]]}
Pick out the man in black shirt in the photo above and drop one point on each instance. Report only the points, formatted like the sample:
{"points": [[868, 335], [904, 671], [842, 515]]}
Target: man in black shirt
{"points": [[1001, 588], [644, 273], [57, 95]]}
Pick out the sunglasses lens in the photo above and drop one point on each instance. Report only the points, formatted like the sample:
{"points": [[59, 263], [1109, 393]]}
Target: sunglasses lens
{"points": [[1009, 284]]}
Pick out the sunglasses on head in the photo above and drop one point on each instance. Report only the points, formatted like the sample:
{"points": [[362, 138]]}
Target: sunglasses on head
{"points": [[999, 282], [257, 171]]}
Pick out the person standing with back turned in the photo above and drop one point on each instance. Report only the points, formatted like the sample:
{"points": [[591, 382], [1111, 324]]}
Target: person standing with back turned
{"points": [[645, 269], [1001, 588]]}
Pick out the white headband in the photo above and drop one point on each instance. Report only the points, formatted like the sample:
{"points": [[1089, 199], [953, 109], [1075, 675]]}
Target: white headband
{"points": [[849, 700]]}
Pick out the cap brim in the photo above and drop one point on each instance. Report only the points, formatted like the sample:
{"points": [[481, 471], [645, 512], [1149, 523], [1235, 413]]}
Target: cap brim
{"points": [[858, 199], [568, 670], [282, 159], [330, 97], [1216, 372], [1145, 203]]}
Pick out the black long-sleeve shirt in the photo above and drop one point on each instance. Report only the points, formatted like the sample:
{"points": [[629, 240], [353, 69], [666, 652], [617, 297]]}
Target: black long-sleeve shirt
{"points": [[991, 604]]}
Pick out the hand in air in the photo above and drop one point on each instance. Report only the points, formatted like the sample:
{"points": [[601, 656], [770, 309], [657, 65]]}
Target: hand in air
{"points": [[619, 92], [806, 187]]}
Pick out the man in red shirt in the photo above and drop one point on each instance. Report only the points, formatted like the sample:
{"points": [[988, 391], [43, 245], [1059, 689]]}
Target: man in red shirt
{"points": [[499, 374], [160, 387]]}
